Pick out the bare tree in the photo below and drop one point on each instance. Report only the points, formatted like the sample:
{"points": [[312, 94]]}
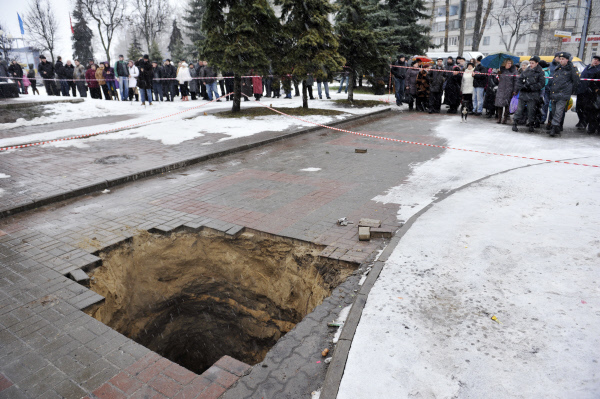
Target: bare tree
{"points": [[540, 30], [433, 15], [461, 34], [479, 25], [42, 26], [5, 42], [447, 26], [151, 17], [514, 21], [108, 16]]}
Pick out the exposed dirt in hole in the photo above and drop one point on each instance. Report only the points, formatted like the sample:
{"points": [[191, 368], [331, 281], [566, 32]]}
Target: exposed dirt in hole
{"points": [[194, 297]]}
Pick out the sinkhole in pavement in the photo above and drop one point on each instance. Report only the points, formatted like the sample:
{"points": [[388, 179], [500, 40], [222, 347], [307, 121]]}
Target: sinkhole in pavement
{"points": [[194, 297]]}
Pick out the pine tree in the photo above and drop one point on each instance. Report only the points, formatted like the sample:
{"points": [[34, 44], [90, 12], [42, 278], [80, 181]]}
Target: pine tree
{"points": [[176, 47], [134, 52], [193, 17], [358, 42], [397, 23], [315, 48], [232, 42], [82, 38], [155, 54]]}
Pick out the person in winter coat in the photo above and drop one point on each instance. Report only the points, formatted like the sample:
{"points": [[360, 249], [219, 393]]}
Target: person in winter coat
{"points": [[437, 77], [210, 81], [4, 74], [170, 73], [479, 82], [228, 84], [46, 70], [15, 71], [184, 77], [490, 93], [507, 81], [452, 95], [144, 82], [247, 90], [592, 113], [564, 84], [109, 77], [467, 86], [545, 92], [257, 88], [102, 81], [193, 85], [122, 74], [410, 91], [422, 90], [26, 83], [529, 85], [62, 78], [69, 74], [157, 82], [79, 77], [344, 77], [32, 80], [203, 87], [399, 73], [584, 94], [90, 78], [310, 80], [134, 73]]}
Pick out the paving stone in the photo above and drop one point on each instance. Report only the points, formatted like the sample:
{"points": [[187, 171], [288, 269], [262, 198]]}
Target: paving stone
{"points": [[232, 365], [69, 390]]}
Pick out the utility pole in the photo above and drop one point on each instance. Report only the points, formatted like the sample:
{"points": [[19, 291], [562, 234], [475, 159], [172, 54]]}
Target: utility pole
{"points": [[584, 30]]}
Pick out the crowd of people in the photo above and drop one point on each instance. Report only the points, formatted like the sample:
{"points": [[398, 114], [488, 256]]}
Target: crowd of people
{"points": [[541, 90]]}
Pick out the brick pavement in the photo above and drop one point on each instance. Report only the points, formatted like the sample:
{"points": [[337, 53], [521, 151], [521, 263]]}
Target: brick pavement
{"points": [[53, 349]]}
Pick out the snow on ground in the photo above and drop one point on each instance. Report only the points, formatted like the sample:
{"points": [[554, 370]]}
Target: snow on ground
{"points": [[310, 170], [174, 129], [523, 246]]}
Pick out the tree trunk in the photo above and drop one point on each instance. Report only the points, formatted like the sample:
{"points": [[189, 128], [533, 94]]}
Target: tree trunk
{"points": [[351, 78], [461, 35], [540, 31], [304, 95], [447, 26], [237, 93], [563, 24], [485, 18], [432, 15], [476, 28]]}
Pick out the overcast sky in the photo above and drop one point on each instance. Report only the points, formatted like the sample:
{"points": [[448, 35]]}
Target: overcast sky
{"points": [[61, 8]]}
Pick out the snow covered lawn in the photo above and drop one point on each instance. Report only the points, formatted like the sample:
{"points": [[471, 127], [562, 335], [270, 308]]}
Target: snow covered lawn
{"points": [[178, 126], [523, 246]]}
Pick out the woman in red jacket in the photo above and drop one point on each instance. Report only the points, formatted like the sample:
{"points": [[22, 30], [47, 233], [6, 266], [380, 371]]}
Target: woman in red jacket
{"points": [[90, 78]]}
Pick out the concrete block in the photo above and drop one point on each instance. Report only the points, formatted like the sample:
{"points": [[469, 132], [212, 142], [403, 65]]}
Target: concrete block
{"points": [[364, 233], [369, 223], [378, 232], [79, 275]]}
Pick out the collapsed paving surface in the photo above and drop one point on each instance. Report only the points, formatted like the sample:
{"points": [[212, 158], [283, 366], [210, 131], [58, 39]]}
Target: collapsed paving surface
{"points": [[277, 189]]}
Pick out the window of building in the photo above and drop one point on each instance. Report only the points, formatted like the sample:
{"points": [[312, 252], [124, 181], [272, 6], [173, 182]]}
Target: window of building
{"points": [[469, 41], [486, 40], [454, 25], [572, 13], [471, 6], [441, 11], [505, 4], [453, 10], [439, 41], [504, 21], [470, 23], [453, 41], [556, 16], [520, 53]]}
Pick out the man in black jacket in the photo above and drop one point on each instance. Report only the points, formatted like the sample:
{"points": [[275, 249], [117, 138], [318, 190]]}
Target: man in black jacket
{"points": [[157, 83], [15, 71], [562, 86], [437, 77], [584, 94], [529, 86], [399, 72], [479, 81], [144, 80], [169, 72], [60, 73], [46, 71], [592, 114], [69, 70]]}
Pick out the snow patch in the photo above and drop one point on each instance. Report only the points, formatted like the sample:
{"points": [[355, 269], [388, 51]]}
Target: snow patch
{"points": [[341, 320], [310, 170], [4, 176]]}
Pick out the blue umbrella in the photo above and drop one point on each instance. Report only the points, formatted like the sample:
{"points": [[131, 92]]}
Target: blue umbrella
{"points": [[495, 60]]}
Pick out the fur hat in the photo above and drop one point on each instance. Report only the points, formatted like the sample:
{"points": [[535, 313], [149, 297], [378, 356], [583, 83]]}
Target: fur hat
{"points": [[535, 58], [42, 57], [544, 64], [564, 54], [146, 56], [480, 58]]}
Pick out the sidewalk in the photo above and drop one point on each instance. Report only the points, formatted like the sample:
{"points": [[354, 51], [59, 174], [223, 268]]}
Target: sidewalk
{"points": [[487, 237]]}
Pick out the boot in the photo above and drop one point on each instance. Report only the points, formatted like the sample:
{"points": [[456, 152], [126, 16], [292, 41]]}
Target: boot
{"points": [[499, 114], [515, 128], [549, 126], [531, 129], [143, 103], [506, 116], [555, 131]]}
